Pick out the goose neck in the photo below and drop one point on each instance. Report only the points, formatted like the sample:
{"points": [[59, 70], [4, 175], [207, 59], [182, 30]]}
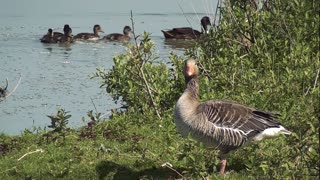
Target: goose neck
{"points": [[192, 87]]}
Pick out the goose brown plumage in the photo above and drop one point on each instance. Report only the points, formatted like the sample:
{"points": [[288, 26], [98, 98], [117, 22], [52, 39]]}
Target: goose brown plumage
{"points": [[219, 124]]}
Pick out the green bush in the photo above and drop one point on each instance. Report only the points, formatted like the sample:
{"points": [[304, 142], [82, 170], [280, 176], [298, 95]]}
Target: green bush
{"points": [[266, 57]]}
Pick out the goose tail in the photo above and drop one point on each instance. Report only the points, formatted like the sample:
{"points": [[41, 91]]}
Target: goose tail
{"points": [[284, 131]]}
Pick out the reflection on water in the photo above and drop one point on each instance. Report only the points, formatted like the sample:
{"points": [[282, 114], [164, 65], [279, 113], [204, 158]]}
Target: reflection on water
{"points": [[56, 75], [179, 44]]}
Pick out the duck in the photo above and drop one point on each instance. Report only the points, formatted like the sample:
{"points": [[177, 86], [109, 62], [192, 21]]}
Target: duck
{"points": [[49, 37], [67, 36], [89, 36], [120, 37], [221, 124], [59, 34], [54, 37], [3, 91], [187, 32]]}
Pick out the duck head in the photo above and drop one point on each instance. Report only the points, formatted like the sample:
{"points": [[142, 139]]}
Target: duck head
{"points": [[66, 28], [205, 22], [97, 28], [50, 32], [127, 30]]}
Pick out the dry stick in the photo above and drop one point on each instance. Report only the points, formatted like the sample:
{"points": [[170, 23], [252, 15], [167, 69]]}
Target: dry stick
{"points": [[206, 72], [14, 89], [316, 80], [216, 13], [235, 19], [94, 105], [220, 16], [168, 165], [286, 30], [184, 14], [141, 69], [31, 152], [314, 84], [185, 17]]}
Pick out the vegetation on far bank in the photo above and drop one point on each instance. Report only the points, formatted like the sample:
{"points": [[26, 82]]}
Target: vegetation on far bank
{"points": [[265, 57]]}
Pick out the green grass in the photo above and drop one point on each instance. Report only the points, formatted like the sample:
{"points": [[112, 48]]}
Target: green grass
{"points": [[130, 152]]}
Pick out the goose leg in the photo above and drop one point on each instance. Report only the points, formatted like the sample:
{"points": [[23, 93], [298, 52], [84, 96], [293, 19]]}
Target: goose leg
{"points": [[223, 164]]}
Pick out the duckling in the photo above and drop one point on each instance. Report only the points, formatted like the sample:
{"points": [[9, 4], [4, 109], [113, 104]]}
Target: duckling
{"points": [[119, 37], [67, 37], [89, 36], [54, 37], [187, 32], [59, 35], [49, 37]]}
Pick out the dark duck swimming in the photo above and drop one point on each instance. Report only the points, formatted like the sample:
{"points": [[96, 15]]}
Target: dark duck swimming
{"points": [[67, 36], [187, 32], [54, 37], [119, 37], [49, 37], [89, 36]]}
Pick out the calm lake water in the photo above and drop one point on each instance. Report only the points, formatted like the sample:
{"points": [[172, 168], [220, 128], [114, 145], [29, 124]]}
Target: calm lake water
{"points": [[58, 76]]}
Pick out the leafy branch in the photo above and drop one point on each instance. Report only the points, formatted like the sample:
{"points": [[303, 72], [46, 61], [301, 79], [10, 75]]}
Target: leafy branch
{"points": [[142, 67]]}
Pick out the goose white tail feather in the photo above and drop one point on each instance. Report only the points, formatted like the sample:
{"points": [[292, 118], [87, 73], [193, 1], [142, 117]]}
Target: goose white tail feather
{"points": [[271, 132]]}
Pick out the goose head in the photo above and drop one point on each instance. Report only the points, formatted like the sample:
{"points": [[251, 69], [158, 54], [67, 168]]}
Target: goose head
{"points": [[190, 70]]}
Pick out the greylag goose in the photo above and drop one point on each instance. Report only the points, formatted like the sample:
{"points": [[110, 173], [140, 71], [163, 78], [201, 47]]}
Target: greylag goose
{"points": [[187, 32], [220, 124]]}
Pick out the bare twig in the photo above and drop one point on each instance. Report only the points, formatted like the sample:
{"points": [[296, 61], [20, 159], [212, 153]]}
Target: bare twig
{"points": [[216, 13], [314, 84], [14, 89], [95, 108], [206, 72], [316, 80], [31, 152], [133, 32], [142, 72], [168, 165], [149, 92], [184, 14]]}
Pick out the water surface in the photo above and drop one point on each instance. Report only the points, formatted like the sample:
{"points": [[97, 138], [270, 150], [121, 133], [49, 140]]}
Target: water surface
{"points": [[58, 76]]}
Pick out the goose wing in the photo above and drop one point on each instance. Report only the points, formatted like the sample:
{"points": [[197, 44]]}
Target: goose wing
{"points": [[237, 117]]}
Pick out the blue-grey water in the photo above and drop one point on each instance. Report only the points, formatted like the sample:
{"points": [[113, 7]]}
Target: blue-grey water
{"points": [[55, 76]]}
